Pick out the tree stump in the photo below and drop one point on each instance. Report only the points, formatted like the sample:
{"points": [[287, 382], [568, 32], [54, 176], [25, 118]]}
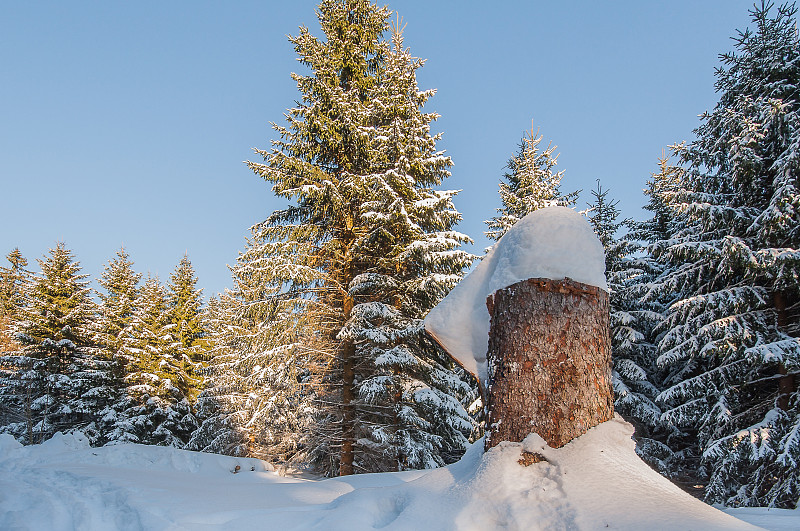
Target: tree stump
{"points": [[549, 361]]}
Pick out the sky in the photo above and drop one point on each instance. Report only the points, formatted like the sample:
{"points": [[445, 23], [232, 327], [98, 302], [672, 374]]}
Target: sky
{"points": [[127, 124]]}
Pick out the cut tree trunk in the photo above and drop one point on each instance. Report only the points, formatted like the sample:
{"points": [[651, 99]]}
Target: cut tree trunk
{"points": [[549, 361]]}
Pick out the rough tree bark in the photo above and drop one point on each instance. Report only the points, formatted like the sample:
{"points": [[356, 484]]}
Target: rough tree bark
{"points": [[549, 361]]}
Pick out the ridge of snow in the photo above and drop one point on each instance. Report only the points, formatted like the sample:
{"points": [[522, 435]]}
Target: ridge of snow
{"points": [[553, 242]]}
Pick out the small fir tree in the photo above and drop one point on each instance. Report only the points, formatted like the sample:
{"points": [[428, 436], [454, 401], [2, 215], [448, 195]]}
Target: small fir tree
{"points": [[155, 408], [184, 311], [117, 303], [64, 378], [13, 282], [528, 185]]}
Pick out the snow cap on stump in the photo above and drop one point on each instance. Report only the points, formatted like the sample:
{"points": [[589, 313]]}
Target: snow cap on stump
{"points": [[553, 242]]}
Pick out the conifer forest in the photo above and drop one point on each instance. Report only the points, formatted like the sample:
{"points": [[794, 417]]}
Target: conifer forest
{"points": [[316, 358]]}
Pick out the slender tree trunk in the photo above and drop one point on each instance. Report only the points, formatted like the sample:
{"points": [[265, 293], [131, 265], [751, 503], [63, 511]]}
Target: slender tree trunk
{"points": [[786, 381], [29, 413], [347, 352], [549, 361], [397, 396]]}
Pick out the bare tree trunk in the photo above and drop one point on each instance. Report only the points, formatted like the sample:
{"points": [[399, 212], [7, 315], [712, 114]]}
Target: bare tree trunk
{"points": [[549, 361], [29, 414], [348, 415], [348, 353], [786, 381]]}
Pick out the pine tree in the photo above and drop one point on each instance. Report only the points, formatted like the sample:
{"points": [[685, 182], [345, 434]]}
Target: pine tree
{"points": [[364, 238], [155, 408], [528, 185], [632, 320], [63, 377], [14, 285], [184, 310], [117, 303], [729, 345], [260, 401]]}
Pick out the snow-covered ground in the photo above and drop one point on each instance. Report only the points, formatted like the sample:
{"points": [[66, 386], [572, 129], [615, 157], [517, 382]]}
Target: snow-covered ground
{"points": [[594, 482]]}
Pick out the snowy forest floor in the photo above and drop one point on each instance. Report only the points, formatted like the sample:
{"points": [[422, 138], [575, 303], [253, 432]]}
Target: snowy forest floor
{"points": [[595, 482]]}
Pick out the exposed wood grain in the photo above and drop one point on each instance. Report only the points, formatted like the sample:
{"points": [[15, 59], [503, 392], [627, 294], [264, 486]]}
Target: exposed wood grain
{"points": [[549, 361]]}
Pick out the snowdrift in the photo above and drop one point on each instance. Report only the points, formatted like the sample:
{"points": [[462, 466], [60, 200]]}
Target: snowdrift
{"points": [[594, 482]]}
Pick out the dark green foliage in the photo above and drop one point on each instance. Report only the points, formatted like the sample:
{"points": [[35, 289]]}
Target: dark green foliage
{"points": [[728, 343]]}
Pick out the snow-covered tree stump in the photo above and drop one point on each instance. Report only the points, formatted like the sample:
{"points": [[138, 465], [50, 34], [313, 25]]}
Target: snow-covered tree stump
{"points": [[549, 361]]}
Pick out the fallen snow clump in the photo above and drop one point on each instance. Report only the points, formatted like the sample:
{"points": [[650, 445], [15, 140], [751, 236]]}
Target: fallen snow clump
{"points": [[553, 242]]}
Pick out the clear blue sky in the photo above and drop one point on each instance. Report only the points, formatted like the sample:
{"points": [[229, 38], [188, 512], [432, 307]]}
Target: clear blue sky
{"points": [[127, 123]]}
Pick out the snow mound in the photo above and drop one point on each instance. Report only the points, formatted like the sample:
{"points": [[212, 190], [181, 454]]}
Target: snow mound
{"points": [[553, 242], [594, 482], [8, 444]]}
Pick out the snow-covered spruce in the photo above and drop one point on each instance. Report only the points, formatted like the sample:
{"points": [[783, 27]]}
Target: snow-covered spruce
{"points": [[632, 319], [259, 400], [158, 386], [728, 345], [59, 380], [528, 185], [365, 248]]}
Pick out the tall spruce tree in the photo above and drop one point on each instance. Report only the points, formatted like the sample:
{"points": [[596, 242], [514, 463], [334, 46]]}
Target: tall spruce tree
{"points": [[529, 184], [729, 345], [408, 394], [367, 245]]}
